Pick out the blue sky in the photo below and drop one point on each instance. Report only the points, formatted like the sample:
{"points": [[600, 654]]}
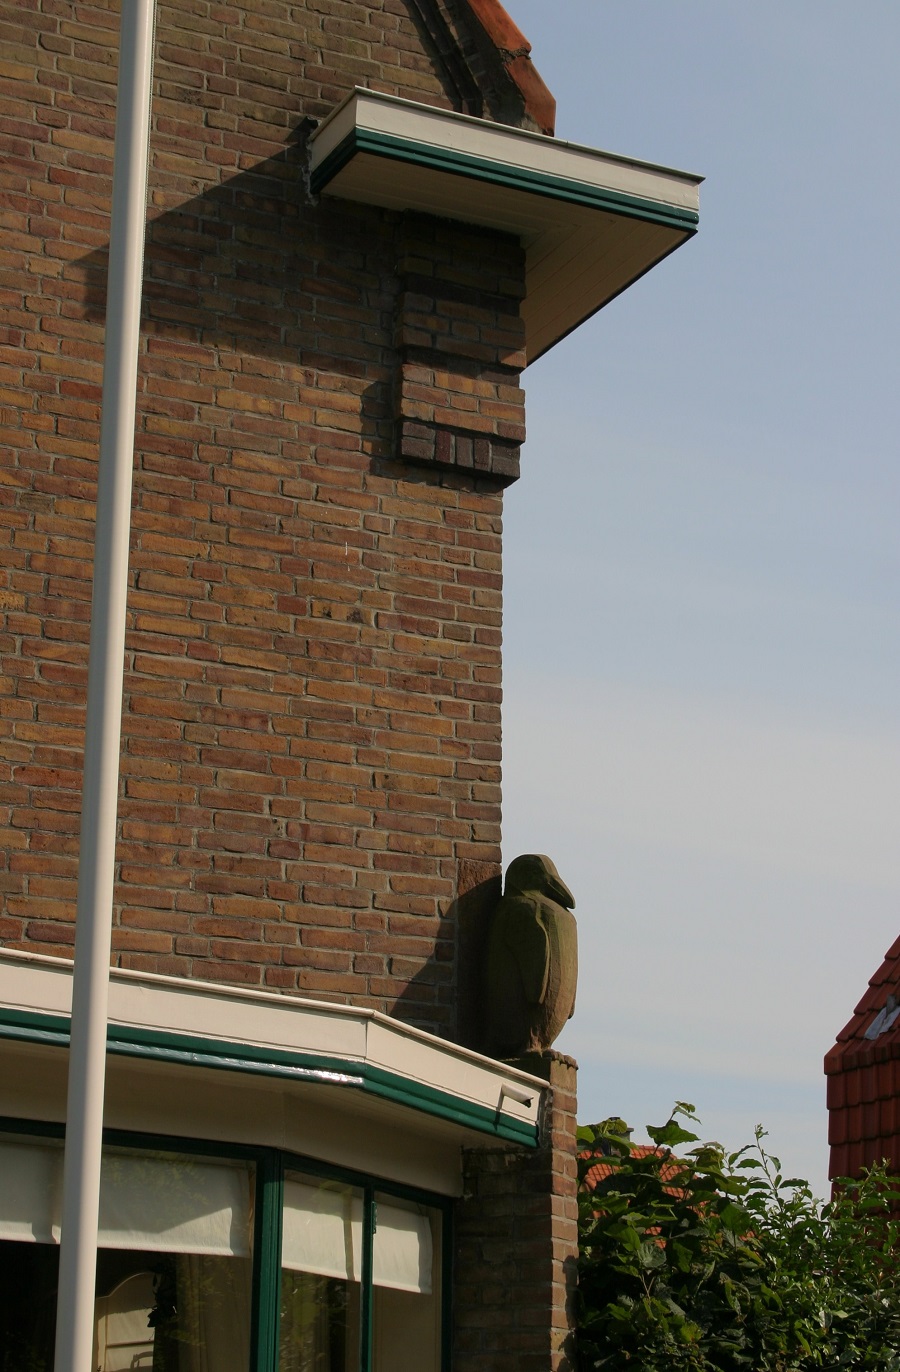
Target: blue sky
{"points": [[702, 658]]}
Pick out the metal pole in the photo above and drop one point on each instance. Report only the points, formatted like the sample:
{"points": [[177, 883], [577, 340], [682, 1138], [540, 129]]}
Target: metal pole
{"points": [[96, 866]]}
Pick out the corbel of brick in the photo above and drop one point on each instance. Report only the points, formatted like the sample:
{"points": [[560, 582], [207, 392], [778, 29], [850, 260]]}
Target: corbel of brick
{"points": [[449, 417], [459, 337], [425, 445], [514, 51]]}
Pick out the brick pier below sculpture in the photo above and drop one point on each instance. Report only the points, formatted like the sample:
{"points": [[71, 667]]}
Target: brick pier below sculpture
{"points": [[516, 1243]]}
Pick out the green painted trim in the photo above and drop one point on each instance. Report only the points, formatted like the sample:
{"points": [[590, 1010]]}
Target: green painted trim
{"points": [[174, 1143], [265, 1325], [48, 1129], [135, 1138], [499, 174], [328, 1171], [29, 1026], [194, 1051]]}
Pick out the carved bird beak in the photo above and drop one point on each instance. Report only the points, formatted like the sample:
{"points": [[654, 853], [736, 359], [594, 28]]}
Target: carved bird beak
{"points": [[557, 888]]}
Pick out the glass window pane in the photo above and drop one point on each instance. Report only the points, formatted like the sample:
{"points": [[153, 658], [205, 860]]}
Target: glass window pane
{"points": [[407, 1294], [28, 1281], [181, 1309], [321, 1266], [173, 1312]]}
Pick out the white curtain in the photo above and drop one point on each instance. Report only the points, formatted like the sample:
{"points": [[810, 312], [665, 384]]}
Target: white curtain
{"points": [[147, 1202], [323, 1235], [214, 1314]]}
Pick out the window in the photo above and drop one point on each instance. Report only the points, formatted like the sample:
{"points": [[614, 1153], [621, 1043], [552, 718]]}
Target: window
{"points": [[173, 1289], [407, 1286], [225, 1264], [331, 1319], [321, 1273]]}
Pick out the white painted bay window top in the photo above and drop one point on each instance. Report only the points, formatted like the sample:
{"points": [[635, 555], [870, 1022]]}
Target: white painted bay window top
{"points": [[197, 1024]]}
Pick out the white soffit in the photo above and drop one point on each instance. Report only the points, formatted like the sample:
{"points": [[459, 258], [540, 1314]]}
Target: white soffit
{"points": [[197, 1024], [591, 222]]}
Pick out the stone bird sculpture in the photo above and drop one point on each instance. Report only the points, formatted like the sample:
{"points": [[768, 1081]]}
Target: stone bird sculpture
{"points": [[531, 963]]}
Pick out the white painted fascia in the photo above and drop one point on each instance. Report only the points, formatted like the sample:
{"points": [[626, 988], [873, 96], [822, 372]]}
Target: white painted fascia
{"points": [[39, 984], [516, 148]]}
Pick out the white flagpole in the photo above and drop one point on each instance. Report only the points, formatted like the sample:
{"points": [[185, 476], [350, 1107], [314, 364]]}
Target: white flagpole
{"points": [[96, 864]]}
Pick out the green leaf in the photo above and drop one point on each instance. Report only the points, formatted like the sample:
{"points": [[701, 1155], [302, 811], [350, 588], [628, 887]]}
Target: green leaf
{"points": [[666, 1135], [652, 1254], [630, 1239], [735, 1218]]}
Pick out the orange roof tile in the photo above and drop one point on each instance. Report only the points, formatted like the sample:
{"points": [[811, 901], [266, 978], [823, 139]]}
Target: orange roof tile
{"points": [[605, 1167], [515, 54], [863, 1071], [875, 1024]]}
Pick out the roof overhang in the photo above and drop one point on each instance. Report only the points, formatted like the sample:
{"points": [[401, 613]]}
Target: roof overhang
{"points": [[591, 222], [362, 1064]]}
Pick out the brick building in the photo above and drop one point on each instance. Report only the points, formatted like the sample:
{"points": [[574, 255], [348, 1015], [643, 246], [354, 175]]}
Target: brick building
{"points": [[360, 231]]}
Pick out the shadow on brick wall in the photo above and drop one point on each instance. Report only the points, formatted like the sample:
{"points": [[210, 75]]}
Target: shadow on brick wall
{"points": [[481, 886], [253, 268], [256, 269], [454, 970]]}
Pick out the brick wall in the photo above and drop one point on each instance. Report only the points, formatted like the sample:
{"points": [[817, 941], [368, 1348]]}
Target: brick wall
{"points": [[328, 412], [311, 742], [516, 1241]]}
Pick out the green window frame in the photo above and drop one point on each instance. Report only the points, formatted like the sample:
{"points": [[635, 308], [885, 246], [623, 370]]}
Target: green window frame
{"points": [[270, 1167]]}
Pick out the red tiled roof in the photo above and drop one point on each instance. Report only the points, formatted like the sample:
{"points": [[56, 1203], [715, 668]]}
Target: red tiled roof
{"points": [[515, 54], [604, 1167], [863, 1070], [884, 983]]}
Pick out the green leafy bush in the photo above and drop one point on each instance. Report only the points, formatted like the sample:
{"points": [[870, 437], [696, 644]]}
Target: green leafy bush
{"points": [[714, 1261]]}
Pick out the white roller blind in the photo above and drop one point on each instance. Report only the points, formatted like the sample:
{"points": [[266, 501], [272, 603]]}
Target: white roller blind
{"points": [[402, 1255], [30, 1186], [322, 1231], [174, 1205], [322, 1234], [167, 1205]]}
